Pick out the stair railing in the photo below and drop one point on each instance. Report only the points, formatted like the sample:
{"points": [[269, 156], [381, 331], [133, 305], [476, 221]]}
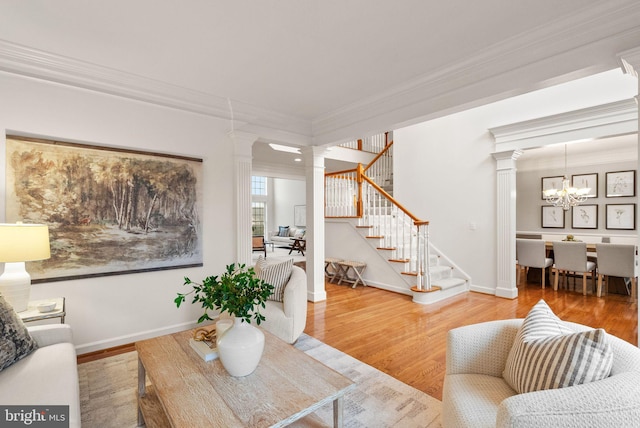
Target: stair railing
{"points": [[354, 194]]}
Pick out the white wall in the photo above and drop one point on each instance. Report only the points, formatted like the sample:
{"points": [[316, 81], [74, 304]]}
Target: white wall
{"points": [[108, 311], [444, 171], [286, 194]]}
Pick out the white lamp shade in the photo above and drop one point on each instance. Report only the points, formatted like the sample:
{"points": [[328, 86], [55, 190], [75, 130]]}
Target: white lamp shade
{"points": [[24, 242]]}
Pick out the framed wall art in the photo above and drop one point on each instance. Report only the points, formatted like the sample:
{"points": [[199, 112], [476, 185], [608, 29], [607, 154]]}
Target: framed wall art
{"points": [[584, 217], [621, 216], [551, 183], [300, 215], [109, 211], [621, 183], [586, 180], [552, 217]]}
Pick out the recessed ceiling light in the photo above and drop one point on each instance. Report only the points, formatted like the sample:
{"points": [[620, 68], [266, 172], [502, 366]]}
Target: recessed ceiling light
{"points": [[298, 160], [281, 148]]}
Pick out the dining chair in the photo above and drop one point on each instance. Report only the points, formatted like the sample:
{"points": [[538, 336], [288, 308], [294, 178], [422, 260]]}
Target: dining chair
{"points": [[617, 260], [572, 257], [531, 253]]}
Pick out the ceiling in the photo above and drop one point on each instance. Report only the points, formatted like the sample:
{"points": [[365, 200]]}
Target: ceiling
{"points": [[581, 153], [311, 71], [303, 59]]}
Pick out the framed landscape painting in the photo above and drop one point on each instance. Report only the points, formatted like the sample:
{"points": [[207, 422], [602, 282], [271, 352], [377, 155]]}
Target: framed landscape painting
{"points": [[109, 211], [552, 217]]}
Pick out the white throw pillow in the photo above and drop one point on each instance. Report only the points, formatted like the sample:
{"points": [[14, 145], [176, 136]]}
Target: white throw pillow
{"points": [[276, 274], [548, 355]]}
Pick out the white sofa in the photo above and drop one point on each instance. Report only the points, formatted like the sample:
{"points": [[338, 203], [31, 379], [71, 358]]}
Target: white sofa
{"points": [[47, 376], [475, 394], [285, 240], [287, 319]]}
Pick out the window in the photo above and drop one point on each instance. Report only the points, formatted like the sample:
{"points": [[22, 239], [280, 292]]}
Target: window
{"points": [[258, 218], [259, 186], [258, 205]]}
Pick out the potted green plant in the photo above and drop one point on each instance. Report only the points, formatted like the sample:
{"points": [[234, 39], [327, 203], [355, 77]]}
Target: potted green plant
{"points": [[239, 292]]}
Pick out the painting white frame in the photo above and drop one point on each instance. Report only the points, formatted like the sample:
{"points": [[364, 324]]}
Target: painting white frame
{"points": [[621, 216], [552, 217], [584, 217]]}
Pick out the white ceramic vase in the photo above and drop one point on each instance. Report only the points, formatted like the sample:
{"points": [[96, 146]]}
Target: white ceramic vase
{"points": [[240, 348]]}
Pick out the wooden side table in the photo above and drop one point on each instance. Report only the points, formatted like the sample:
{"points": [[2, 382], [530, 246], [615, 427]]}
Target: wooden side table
{"points": [[33, 314], [298, 244], [349, 265]]}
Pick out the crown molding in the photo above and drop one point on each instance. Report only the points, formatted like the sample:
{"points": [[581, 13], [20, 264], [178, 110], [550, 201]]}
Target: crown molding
{"points": [[30, 62], [566, 48], [617, 118], [630, 61], [581, 44]]}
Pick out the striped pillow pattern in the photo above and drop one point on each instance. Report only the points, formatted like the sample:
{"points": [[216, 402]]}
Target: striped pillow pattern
{"points": [[548, 355], [276, 274]]}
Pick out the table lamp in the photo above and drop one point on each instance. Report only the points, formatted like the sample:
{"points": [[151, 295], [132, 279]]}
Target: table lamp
{"points": [[20, 243]]}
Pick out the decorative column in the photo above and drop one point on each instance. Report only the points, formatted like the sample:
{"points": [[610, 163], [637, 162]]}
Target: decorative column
{"points": [[242, 143], [506, 227], [630, 61], [314, 167]]}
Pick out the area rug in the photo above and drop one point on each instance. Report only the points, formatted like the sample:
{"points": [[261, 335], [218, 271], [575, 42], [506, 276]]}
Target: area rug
{"points": [[108, 390]]}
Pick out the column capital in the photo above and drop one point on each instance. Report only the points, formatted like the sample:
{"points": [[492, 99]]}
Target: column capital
{"points": [[630, 61], [314, 155], [242, 142], [507, 159]]}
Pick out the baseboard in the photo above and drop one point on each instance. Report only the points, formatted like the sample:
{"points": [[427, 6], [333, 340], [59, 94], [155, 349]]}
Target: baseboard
{"points": [[482, 289], [131, 338]]}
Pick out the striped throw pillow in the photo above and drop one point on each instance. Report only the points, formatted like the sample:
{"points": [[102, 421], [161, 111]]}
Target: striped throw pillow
{"points": [[548, 355], [276, 274]]}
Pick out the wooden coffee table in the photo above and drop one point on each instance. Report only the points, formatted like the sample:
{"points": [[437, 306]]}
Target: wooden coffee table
{"points": [[186, 391]]}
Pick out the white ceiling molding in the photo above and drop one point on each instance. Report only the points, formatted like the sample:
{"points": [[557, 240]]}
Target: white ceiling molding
{"points": [[607, 120], [630, 61], [581, 43], [35, 63], [585, 42]]}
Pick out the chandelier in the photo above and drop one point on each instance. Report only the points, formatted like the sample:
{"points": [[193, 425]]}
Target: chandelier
{"points": [[568, 196]]}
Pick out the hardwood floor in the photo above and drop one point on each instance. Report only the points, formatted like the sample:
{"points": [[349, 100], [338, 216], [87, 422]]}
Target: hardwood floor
{"points": [[408, 341]]}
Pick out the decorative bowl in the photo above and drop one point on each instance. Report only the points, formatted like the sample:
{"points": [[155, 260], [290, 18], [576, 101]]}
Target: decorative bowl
{"points": [[46, 306]]}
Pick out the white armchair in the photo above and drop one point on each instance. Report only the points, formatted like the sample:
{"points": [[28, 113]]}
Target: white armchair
{"points": [[475, 394], [287, 319]]}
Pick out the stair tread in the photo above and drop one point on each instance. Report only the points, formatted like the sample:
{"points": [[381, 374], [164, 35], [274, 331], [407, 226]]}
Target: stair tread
{"points": [[399, 260], [451, 282], [375, 237], [364, 227], [386, 248]]}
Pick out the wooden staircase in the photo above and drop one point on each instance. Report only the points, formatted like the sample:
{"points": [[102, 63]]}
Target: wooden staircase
{"points": [[399, 237], [445, 278]]}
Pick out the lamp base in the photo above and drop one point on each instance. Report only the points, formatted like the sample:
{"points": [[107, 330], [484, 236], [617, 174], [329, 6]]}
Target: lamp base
{"points": [[15, 285]]}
